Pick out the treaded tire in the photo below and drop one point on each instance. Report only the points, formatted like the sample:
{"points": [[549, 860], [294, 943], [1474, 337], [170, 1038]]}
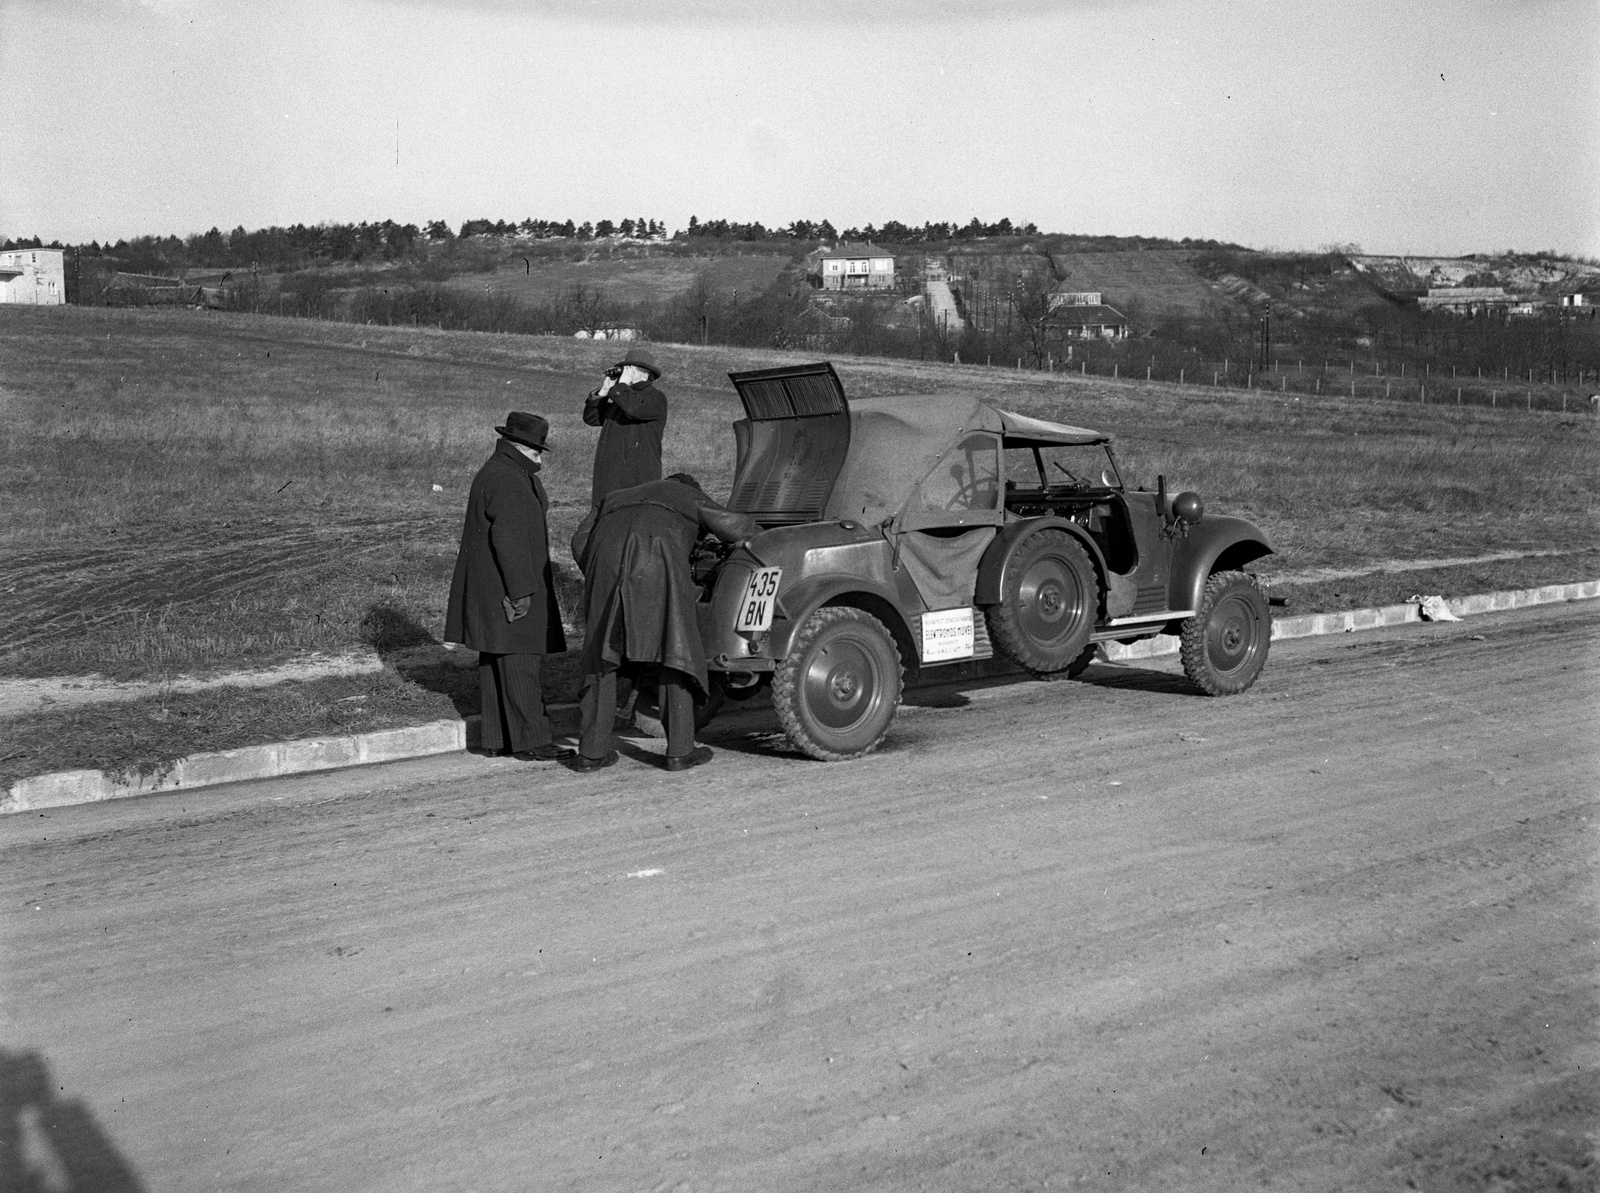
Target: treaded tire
{"points": [[837, 690], [1048, 606], [1224, 645], [1080, 664]]}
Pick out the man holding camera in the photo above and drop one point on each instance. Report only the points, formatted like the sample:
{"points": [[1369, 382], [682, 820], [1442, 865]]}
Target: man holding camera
{"points": [[631, 414]]}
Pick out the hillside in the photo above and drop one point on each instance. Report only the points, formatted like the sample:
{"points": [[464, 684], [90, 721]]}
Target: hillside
{"points": [[1156, 283], [625, 279]]}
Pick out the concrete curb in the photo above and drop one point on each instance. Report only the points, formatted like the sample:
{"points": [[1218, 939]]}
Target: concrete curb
{"points": [[67, 788], [1311, 625]]}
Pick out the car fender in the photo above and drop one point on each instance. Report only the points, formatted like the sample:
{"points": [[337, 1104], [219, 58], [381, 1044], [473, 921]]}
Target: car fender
{"points": [[992, 567], [799, 602], [1218, 542]]}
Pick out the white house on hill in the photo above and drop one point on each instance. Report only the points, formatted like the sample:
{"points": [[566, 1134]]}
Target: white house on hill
{"points": [[33, 277], [852, 267]]}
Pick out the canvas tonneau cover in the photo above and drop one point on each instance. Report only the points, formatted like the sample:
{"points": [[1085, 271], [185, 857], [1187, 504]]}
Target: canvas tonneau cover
{"points": [[805, 454], [896, 441]]}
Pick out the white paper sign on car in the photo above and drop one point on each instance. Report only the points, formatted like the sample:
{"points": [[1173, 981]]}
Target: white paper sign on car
{"points": [[947, 634], [757, 603]]}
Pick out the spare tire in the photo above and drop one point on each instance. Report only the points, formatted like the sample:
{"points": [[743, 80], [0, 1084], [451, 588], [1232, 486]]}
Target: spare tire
{"points": [[1048, 603]]}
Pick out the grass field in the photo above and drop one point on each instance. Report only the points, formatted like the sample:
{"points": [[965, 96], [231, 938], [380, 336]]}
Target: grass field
{"points": [[625, 280], [188, 491]]}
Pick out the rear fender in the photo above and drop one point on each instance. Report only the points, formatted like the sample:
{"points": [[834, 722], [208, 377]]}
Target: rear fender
{"points": [[1217, 543], [992, 567], [816, 592]]}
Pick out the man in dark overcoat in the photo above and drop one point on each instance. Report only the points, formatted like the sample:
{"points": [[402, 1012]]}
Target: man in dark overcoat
{"points": [[632, 415], [502, 596], [639, 610]]}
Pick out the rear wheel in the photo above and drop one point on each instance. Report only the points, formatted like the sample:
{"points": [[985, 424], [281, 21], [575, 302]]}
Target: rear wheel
{"points": [[1047, 605], [1224, 645], [837, 690]]}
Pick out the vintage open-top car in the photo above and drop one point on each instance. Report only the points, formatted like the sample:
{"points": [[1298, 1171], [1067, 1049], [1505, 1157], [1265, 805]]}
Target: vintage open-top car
{"points": [[924, 530]]}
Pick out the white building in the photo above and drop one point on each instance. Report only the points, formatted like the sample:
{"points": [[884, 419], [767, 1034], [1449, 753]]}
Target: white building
{"points": [[852, 267], [34, 277]]}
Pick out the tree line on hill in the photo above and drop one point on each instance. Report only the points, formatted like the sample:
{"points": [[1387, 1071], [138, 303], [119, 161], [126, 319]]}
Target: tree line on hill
{"points": [[301, 246]]}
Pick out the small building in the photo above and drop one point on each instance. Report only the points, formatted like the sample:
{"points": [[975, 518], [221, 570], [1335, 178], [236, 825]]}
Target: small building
{"points": [[1090, 321], [608, 331], [1468, 300], [1075, 298], [851, 267], [33, 277]]}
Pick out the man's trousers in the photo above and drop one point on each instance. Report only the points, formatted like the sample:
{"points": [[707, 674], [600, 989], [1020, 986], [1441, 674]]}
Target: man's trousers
{"points": [[513, 702], [600, 712]]}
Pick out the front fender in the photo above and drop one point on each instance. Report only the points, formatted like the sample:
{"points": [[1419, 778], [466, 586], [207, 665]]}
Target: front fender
{"points": [[992, 567], [1218, 542]]}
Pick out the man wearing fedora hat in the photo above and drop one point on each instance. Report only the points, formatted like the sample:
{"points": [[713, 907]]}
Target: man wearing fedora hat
{"points": [[502, 596], [631, 414]]}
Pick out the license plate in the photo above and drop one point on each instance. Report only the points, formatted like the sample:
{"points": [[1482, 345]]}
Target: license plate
{"points": [[757, 603]]}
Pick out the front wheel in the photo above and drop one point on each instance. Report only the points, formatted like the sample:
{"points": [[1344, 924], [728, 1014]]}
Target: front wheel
{"points": [[1224, 645], [837, 690]]}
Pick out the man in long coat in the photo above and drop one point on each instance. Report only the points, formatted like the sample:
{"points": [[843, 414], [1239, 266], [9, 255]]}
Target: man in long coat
{"points": [[632, 415], [639, 609], [502, 596]]}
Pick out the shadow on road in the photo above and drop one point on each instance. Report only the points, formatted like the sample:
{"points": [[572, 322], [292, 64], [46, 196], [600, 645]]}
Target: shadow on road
{"points": [[50, 1143], [752, 727]]}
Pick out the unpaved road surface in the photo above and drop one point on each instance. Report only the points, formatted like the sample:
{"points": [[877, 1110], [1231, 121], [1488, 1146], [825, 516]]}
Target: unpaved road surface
{"points": [[1338, 933]]}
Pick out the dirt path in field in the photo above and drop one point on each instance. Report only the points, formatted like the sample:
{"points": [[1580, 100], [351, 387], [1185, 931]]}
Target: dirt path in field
{"points": [[18, 696], [1335, 934]]}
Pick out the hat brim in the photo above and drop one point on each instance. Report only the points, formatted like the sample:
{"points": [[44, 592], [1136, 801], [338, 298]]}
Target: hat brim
{"points": [[515, 438]]}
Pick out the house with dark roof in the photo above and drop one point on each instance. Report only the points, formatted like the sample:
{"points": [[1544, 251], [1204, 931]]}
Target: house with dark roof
{"points": [[1083, 315], [851, 267]]}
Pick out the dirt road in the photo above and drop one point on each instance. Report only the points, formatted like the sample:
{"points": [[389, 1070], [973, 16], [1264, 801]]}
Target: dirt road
{"points": [[1338, 933]]}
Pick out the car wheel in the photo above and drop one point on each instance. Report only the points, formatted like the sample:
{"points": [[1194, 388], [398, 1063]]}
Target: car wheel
{"points": [[1048, 605], [837, 690], [1081, 664], [1224, 644]]}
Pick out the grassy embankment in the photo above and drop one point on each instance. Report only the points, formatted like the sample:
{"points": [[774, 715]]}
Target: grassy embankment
{"points": [[185, 492]]}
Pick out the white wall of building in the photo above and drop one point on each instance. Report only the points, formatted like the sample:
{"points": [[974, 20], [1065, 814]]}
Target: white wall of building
{"points": [[33, 277]]}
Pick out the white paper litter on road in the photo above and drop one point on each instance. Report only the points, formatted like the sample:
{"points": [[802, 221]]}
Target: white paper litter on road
{"points": [[1432, 608], [645, 873]]}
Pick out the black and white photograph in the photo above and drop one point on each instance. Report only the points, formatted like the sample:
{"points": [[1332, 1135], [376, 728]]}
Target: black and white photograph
{"points": [[799, 596]]}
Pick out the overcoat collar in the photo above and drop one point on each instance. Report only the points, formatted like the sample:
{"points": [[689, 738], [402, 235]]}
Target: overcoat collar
{"points": [[509, 450]]}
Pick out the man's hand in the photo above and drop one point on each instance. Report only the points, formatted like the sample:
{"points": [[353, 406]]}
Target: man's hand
{"points": [[516, 610], [605, 386]]}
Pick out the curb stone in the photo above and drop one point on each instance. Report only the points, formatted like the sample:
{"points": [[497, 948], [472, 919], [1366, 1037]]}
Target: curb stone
{"points": [[67, 788], [1311, 625]]}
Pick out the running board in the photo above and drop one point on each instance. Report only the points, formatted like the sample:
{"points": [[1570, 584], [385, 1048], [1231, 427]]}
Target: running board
{"points": [[1122, 627]]}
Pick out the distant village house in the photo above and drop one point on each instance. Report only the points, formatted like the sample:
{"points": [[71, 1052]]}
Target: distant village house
{"points": [[1468, 300], [851, 267], [1083, 314], [33, 277]]}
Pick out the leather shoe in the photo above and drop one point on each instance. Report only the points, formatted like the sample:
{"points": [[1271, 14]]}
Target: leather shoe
{"points": [[550, 753], [583, 765], [695, 757]]}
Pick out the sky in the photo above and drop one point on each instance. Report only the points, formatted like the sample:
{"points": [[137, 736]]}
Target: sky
{"points": [[1404, 126]]}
